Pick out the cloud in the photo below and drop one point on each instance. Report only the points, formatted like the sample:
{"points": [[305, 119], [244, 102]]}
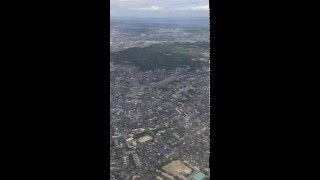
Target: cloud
{"points": [[130, 0], [152, 8], [197, 8], [157, 8]]}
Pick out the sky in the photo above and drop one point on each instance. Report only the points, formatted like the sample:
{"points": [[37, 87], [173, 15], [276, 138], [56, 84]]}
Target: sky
{"points": [[159, 8]]}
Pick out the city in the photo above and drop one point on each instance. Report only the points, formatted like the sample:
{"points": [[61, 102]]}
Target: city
{"points": [[159, 117]]}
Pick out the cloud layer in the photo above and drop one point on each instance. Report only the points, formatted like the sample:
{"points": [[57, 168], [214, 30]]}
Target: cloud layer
{"points": [[159, 8], [152, 8], [201, 8]]}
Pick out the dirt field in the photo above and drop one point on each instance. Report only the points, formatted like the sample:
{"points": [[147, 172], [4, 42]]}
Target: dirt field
{"points": [[145, 138], [177, 167]]}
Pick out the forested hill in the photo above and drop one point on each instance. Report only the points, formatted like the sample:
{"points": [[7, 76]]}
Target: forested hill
{"points": [[163, 56]]}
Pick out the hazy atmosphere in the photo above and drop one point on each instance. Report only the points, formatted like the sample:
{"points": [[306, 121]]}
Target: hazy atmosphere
{"points": [[159, 125], [159, 8]]}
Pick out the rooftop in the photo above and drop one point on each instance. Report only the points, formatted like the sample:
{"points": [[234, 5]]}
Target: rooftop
{"points": [[199, 176]]}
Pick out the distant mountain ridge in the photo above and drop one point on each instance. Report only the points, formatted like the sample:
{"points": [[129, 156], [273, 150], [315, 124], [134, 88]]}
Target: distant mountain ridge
{"points": [[191, 21]]}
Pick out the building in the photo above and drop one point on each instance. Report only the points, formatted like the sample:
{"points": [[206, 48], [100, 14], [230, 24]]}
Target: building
{"points": [[199, 176]]}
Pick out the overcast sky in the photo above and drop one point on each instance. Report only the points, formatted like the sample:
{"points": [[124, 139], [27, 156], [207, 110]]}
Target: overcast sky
{"points": [[159, 8]]}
